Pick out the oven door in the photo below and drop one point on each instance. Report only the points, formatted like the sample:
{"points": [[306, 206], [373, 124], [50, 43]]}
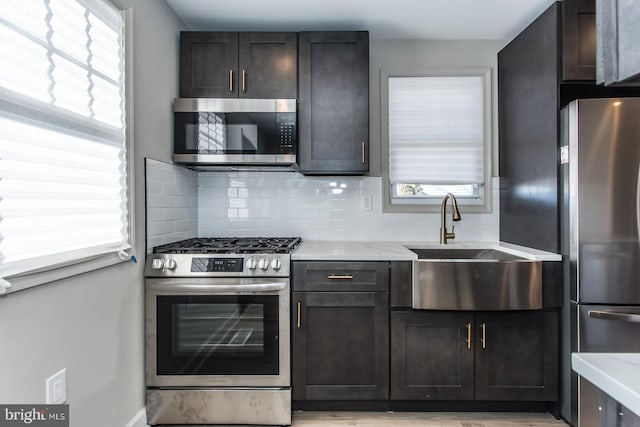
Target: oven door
{"points": [[217, 332]]}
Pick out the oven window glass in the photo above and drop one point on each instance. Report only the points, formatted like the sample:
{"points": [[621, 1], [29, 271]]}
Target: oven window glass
{"points": [[216, 335]]}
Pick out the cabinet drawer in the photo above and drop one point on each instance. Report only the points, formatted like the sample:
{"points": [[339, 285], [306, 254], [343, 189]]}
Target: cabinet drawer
{"points": [[341, 276]]}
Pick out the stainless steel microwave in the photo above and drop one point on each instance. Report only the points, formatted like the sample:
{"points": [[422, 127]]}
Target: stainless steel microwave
{"points": [[228, 131]]}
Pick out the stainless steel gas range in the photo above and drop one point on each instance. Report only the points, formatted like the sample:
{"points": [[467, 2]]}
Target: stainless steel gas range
{"points": [[217, 331]]}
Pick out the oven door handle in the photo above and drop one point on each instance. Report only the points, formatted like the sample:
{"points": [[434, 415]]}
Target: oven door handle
{"points": [[220, 289]]}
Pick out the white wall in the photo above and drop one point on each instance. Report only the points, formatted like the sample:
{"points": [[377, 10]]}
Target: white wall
{"points": [[92, 324]]}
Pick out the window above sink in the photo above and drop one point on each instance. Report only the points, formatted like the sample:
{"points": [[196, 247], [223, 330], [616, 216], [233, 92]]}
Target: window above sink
{"points": [[436, 138]]}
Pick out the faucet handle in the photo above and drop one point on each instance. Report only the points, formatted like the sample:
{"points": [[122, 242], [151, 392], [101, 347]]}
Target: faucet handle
{"points": [[452, 235]]}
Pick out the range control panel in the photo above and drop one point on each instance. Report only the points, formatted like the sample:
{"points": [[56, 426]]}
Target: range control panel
{"points": [[219, 265]]}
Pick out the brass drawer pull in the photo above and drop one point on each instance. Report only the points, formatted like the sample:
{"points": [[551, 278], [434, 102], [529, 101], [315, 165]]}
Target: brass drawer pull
{"points": [[483, 340], [468, 340], [299, 314], [340, 277], [363, 152], [230, 80]]}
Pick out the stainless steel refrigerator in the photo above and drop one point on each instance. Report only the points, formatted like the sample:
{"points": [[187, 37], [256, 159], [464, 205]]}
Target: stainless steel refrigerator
{"points": [[600, 177]]}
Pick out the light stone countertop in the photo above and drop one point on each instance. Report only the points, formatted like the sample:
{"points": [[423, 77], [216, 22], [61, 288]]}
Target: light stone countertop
{"points": [[326, 250], [352, 251], [617, 374]]}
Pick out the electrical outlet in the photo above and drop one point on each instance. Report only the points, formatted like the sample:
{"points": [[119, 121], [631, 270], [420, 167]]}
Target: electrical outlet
{"points": [[57, 388], [367, 203]]}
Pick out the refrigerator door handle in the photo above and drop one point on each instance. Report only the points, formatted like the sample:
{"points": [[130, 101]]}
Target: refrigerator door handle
{"points": [[614, 315]]}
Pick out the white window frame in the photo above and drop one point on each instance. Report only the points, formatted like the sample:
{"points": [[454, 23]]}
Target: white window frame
{"points": [[483, 202], [28, 279]]}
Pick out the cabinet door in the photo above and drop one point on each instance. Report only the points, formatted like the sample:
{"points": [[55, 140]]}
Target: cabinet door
{"points": [[333, 114], [340, 347], [431, 356], [208, 64], [268, 65], [579, 39], [517, 356]]}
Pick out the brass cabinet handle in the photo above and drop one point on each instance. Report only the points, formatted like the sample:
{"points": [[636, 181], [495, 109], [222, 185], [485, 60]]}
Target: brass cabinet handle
{"points": [[299, 314], [244, 79], [340, 276], [483, 340], [230, 80], [363, 152], [468, 340]]}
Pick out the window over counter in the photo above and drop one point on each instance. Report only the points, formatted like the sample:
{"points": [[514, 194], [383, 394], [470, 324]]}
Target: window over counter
{"points": [[436, 138], [65, 149]]}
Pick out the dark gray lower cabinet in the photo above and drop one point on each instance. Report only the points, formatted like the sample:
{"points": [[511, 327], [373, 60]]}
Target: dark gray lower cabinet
{"points": [[516, 356], [430, 358], [340, 345], [497, 356]]}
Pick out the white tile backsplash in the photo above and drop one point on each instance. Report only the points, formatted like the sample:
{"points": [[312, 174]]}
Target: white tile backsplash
{"points": [[172, 203], [319, 208], [182, 203]]}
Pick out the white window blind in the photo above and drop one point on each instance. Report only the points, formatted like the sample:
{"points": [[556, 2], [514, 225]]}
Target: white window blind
{"points": [[63, 183], [436, 130]]}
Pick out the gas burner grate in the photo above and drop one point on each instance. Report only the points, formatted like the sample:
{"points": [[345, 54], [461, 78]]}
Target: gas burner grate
{"points": [[231, 245]]}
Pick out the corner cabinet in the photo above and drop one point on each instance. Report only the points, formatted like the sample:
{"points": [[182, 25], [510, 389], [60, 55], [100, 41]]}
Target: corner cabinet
{"points": [[333, 110], [340, 338], [490, 356], [238, 65]]}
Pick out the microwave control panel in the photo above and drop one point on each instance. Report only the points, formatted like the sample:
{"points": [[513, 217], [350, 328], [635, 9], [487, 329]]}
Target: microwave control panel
{"points": [[286, 128]]}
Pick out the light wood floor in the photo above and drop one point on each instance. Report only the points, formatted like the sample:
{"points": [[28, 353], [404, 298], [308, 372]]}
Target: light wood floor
{"points": [[423, 419]]}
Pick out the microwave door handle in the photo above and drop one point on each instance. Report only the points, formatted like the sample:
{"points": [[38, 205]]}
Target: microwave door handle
{"points": [[220, 289], [614, 315]]}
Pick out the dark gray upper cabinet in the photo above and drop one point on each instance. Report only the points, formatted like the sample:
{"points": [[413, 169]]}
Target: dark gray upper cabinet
{"points": [[579, 39], [333, 111], [245, 65]]}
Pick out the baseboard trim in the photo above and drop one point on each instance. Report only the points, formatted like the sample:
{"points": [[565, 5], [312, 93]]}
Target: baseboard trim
{"points": [[139, 419]]}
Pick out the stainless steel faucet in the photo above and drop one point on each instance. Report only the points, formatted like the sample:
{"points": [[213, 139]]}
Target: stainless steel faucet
{"points": [[455, 216]]}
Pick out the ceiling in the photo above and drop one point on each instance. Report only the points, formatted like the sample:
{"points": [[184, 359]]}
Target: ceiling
{"points": [[395, 19]]}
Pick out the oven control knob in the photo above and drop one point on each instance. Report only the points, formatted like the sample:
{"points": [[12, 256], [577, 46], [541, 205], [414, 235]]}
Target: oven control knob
{"points": [[276, 264], [263, 264], [170, 264], [251, 263], [157, 264]]}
